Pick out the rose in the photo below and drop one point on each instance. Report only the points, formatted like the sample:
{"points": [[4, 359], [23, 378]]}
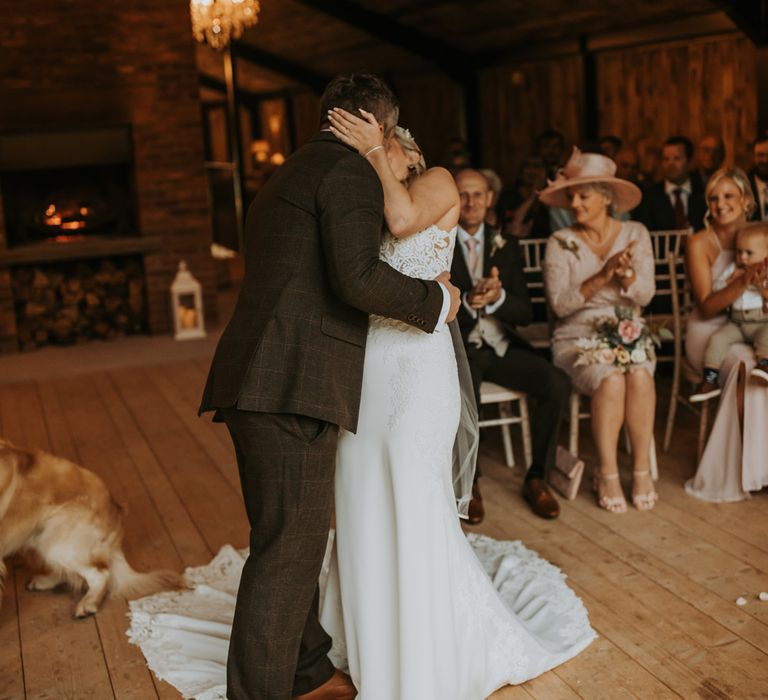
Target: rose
{"points": [[622, 356], [638, 356], [605, 356], [629, 331]]}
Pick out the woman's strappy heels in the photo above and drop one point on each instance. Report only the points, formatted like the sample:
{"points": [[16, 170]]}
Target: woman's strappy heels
{"points": [[644, 501], [613, 504]]}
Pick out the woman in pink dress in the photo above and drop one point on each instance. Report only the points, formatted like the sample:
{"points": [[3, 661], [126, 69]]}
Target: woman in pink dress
{"points": [[592, 268], [734, 461]]}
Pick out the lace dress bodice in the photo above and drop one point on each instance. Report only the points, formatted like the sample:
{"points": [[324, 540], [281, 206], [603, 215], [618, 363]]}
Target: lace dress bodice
{"points": [[424, 255]]}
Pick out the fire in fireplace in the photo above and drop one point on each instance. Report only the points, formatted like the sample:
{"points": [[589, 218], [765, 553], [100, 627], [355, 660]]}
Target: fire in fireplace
{"points": [[65, 186]]}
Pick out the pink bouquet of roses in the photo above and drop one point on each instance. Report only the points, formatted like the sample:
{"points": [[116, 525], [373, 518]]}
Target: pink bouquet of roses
{"points": [[621, 340]]}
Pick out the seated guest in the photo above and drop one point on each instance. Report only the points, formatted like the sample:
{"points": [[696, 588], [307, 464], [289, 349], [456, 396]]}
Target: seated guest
{"points": [[519, 211], [628, 164], [496, 186], [733, 462], [677, 202], [602, 269], [758, 177], [609, 145], [748, 321], [710, 155], [487, 267], [550, 146]]}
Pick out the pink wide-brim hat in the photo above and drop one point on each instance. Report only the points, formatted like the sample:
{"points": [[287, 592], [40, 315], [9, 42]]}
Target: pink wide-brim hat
{"points": [[586, 169]]}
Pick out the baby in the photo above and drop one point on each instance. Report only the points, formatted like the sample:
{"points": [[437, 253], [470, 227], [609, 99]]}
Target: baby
{"points": [[748, 315]]}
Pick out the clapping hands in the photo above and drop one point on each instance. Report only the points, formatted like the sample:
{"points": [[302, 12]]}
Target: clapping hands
{"points": [[620, 266], [486, 291]]}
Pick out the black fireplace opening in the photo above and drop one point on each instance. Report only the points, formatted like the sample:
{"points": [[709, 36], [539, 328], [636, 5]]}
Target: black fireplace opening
{"points": [[60, 187]]}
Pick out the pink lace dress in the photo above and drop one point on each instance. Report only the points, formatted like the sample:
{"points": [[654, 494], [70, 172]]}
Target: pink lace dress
{"points": [[568, 263]]}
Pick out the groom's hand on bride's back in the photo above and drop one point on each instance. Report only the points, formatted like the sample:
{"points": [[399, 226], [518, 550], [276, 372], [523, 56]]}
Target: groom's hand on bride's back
{"points": [[455, 293]]}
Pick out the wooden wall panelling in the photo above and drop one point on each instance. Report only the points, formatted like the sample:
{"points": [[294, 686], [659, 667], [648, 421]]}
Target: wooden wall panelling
{"points": [[432, 108], [521, 100], [648, 93]]}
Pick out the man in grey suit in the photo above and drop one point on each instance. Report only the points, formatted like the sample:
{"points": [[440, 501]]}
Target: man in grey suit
{"points": [[287, 375]]}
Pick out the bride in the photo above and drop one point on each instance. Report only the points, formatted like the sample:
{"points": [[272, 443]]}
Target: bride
{"points": [[410, 608], [416, 611]]}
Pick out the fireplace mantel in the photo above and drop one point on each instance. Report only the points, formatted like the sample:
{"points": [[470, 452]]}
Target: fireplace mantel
{"points": [[79, 250]]}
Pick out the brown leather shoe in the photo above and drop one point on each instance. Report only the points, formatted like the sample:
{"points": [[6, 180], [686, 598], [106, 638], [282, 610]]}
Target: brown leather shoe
{"points": [[338, 687], [540, 498], [476, 512]]}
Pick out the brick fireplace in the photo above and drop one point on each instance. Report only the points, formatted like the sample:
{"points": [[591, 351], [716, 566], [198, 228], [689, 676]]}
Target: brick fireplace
{"points": [[80, 75]]}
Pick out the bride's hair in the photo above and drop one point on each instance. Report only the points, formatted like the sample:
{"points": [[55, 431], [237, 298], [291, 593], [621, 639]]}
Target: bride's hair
{"points": [[408, 143], [740, 179]]}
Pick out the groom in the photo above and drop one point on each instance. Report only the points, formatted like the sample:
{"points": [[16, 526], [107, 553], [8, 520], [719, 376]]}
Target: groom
{"points": [[287, 375]]}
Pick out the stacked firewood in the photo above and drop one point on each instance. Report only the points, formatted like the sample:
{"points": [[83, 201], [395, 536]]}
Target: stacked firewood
{"points": [[77, 302]]}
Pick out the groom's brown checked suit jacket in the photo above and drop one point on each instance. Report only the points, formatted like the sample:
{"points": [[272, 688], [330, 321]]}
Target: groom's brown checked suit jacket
{"points": [[296, 341]]}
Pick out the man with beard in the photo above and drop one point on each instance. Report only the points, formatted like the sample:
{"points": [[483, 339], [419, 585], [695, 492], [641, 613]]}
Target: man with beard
{"points": [[677, 201]]}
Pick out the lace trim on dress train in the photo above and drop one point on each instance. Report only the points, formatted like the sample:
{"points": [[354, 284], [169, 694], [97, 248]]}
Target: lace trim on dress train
{"points": [[184, 635]]}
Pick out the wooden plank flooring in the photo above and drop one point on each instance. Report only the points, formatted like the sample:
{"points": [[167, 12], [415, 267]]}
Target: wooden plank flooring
{"points": [[660, 587]]}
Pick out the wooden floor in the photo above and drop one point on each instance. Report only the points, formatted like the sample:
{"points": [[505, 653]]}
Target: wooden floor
{"points": [[660, 587]]}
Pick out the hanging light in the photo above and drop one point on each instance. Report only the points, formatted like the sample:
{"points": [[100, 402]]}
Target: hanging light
{"points": [[217, 22]]}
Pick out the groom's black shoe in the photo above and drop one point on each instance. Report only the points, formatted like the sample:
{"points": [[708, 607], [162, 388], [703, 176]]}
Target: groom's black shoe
{"points": [[338, 687], [476, 512]]}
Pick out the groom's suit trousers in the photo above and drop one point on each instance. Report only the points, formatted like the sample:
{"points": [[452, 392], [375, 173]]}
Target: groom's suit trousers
{"points": [[278, 648]]}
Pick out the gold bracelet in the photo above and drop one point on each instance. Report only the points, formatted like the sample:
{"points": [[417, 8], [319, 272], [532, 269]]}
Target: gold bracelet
{"points": [[372, 149]]}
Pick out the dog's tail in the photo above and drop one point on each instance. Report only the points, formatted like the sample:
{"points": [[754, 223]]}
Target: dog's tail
{"points": [[126, 582]]}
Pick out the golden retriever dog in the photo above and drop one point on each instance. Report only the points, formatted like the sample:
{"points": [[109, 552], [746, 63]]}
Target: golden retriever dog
{"points": [[65, 514]]}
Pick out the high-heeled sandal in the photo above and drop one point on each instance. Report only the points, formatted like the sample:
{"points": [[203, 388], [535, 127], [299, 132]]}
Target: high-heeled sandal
{"points": [[613, 504], [644, 501]]}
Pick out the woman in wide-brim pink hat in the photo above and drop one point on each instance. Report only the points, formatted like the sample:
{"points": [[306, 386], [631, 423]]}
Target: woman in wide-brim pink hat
{"points": [[598, 274]]}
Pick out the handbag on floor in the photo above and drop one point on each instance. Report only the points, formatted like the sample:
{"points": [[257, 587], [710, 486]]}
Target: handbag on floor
{"points": [[565, 477]]}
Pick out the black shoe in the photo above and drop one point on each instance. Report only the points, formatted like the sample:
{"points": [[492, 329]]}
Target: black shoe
{"points": [[707, 390]]}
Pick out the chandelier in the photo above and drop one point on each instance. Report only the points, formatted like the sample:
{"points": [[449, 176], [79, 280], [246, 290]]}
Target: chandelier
{"points": [[217, 22]]}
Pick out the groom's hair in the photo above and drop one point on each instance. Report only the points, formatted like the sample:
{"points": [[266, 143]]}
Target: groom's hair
{"points": [[356, 90]]}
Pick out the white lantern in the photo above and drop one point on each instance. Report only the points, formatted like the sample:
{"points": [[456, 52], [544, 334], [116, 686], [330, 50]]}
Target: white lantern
{"points": [[187, 305]]}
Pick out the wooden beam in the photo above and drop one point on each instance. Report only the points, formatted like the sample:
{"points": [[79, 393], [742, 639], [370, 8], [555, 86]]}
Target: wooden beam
{"points": [[277, 64], [451, 60], [247, 97], [751, 16], [693, 27]]}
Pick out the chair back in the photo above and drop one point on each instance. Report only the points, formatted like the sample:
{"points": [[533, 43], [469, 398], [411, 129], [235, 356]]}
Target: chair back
{"points": [[682, 305], [539, 332], [664, 243]]}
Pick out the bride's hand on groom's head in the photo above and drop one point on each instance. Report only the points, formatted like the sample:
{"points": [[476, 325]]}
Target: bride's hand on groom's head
{"points": [[363, 134]]}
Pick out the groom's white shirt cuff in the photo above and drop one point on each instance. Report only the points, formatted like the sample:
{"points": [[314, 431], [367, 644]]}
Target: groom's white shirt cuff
{"points": [[446, 308]]}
